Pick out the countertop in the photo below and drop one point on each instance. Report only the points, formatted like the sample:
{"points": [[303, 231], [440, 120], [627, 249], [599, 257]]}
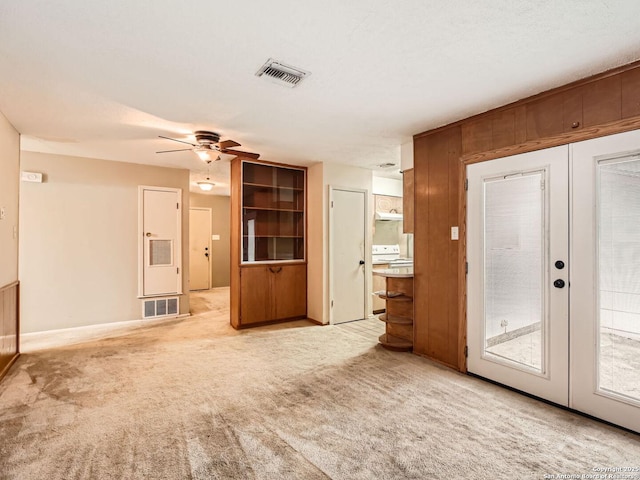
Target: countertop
{"points": [[401, 272]]}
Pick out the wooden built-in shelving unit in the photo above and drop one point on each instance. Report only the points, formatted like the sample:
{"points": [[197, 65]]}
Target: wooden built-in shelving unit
{"points": [[398, 318], [268, 230]]}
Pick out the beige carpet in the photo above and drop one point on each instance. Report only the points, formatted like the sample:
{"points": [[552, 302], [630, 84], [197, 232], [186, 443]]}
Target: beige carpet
{"points": [[195, 399]]}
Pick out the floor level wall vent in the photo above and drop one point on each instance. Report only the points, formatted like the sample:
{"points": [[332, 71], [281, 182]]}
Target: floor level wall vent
{"points": [[160, 307]]}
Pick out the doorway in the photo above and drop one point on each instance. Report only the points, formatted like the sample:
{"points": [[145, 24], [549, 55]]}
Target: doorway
{"points": [[347, 253], [553, 291], [199, 248]]}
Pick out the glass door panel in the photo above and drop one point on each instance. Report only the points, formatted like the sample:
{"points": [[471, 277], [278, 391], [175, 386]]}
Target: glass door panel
{"points": [[273, 218], [618, 314], [514, 259]]}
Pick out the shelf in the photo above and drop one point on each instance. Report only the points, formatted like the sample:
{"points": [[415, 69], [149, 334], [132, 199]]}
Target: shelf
{"points": [[386, 318], [272, 187], [394, 343], [389, 294], [244, 207], [394, 296]]}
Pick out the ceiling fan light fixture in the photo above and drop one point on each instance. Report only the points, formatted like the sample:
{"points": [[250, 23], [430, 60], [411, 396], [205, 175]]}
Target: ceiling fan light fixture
{"points": [[203, 153], [206, 186]]}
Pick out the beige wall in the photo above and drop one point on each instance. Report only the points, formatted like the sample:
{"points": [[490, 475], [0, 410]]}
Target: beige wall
{"points": [[9, 186], [315, 243], [79, 240], [321, 176], [220, 249]]}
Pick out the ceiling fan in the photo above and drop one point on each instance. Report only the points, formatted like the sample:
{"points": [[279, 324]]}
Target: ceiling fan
{"points": [[208, 146]]}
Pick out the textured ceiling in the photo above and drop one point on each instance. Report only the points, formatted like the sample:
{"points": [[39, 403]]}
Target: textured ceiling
{"points": [[104, 79]]}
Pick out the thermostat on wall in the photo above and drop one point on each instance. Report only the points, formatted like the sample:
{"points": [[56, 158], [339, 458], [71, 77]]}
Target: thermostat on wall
{"points": [[31, 177]]}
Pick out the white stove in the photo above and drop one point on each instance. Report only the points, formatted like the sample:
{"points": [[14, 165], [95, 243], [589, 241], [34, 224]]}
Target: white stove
{"points": [[385, 253]]}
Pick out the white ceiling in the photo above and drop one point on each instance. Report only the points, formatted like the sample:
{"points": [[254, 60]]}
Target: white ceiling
{"points": [[103, 79]]}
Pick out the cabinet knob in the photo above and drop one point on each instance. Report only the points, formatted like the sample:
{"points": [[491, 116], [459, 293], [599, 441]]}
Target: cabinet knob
{"points": [[575, 124]]}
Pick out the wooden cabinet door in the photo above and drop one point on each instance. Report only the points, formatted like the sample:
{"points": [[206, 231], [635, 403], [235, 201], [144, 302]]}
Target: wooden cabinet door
{"points": [[255, 299], [289, 291], [379, 284]]}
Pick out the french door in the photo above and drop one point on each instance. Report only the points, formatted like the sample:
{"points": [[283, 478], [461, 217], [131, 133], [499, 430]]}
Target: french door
{"points": [[553, 246]]}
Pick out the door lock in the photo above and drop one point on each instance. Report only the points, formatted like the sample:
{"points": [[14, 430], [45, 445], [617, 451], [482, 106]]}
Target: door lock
{"points": [[559, 283]]}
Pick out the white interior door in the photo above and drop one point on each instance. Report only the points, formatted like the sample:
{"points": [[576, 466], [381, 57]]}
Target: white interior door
{"points": [[160, 233], [348, 244], [605, 279], [199, 248], [517, 229]]}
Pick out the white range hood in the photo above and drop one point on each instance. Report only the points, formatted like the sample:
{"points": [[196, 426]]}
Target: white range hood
{"points": [[385, 216]]}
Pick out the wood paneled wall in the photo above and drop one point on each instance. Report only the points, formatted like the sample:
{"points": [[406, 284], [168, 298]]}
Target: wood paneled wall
{"points": [[9, 326], [437, 171], [600, 105]]}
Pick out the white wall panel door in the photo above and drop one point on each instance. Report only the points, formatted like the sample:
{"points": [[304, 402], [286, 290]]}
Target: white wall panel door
{"points": [[517, 229], [605, 279], [199, 248], [160, 241], [347, 253]]}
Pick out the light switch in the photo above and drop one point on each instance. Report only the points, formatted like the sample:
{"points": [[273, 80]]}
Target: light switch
{"points": [[215, 237], [454, 233], [31, 177]]}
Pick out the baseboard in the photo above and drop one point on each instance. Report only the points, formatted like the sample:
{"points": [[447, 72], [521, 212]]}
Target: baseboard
{"points": [[7, 367], [317, 322], [30, 342]]}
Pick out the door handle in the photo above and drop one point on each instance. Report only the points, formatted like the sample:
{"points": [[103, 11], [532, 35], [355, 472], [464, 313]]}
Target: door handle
{"points": [[559, 283], [361, 262], [559, 264], [206, 255], [279, 269], [148, 234]]}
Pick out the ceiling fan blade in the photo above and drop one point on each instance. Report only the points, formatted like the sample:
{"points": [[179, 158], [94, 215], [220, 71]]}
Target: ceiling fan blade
{"points": [[228, 144], [238, 153], [176, 140], [179, 150]]}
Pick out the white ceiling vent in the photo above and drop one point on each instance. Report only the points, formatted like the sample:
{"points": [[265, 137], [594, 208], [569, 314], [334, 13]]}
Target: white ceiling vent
{"points": [[282, 74]]}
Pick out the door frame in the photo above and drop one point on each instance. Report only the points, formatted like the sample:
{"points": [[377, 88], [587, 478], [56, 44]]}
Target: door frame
{"points": [[210, 210], [141, 237], [367, 248]]}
